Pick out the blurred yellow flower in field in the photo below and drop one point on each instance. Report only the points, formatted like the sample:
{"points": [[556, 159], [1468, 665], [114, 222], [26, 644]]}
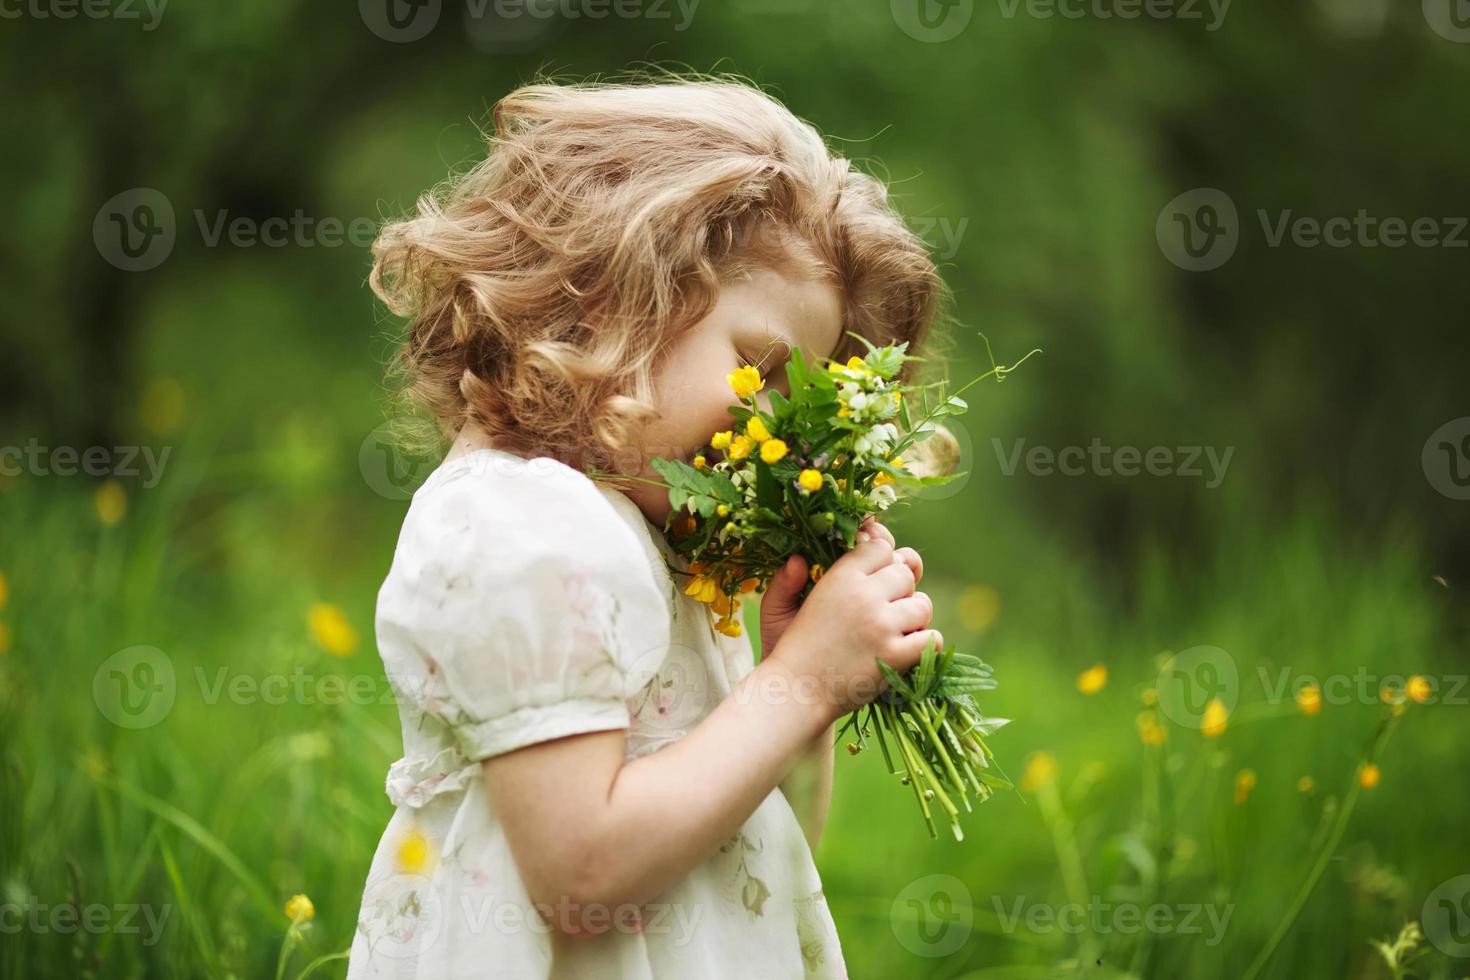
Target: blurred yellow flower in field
{"points": [[1149, 697], [4, 590], [330, 628], [1306, 784], [979, 606], [299, 908], [1391, 694], [1215, 721], [773, 450], [1041, 769], [95, 763], [111, 503], [414, 854], [1368, 776], [1245, 781], [756, 429], [6, 638], [1309, 699], [1149, 729], [161, 409], [745, 381], [1418, 689], [1093, 679], [810, 480]]}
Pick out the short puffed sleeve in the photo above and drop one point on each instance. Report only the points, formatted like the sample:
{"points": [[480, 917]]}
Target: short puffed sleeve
{"points": [[520, 606]]}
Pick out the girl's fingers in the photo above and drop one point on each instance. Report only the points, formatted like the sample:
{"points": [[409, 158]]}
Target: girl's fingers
{"points": [[914, 612], [870, 555], [896, 580], [912, 647], [911, 558], [872, 528]]}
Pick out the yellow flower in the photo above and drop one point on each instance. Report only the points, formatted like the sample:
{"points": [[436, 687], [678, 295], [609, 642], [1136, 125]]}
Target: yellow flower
{"points": [[882, 479], [745, 381], [721, 440], [1214, 722], [414, 852], [810, 480], [843, 411], [111, 502], [1417, 688], [1368, 776], [728, 626], [1309, 699], [4, 590], [1245, 781], [722, 510], [1041, 769], [6, 639], [1306, 784], [724, 605], [331, 629], [1149, 696], [1150, 732], [772, 450], [979, 607], [741, 446], [816, 573], [855, 363], [299, 908], [756, 429], [699, 462], [1093, 679], [702, 589], [1391, 694]]}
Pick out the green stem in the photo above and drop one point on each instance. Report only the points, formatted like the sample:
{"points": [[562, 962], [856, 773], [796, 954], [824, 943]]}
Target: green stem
{"points": [[1324, 856]]}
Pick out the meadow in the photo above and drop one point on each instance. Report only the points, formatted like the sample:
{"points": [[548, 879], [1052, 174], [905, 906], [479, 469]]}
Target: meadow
{"points": [[1208, 539]]}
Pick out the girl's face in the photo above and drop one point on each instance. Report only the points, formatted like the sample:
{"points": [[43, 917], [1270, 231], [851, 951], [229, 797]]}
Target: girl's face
{"points": [[755, 320]]}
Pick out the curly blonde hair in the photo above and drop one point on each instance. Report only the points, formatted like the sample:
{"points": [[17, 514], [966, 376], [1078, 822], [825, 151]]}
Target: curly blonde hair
{"points": [[542, 285]]}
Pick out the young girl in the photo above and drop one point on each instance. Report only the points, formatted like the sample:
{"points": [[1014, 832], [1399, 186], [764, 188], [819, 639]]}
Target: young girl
{"points": [[596, 782]]}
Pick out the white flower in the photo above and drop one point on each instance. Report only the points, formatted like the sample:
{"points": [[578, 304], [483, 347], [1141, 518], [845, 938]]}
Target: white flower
{"points": [[876, 440], [882, 496]]}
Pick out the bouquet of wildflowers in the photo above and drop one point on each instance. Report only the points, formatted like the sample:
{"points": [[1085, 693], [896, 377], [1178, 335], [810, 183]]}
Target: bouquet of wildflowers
{"points": [[801, 477]]}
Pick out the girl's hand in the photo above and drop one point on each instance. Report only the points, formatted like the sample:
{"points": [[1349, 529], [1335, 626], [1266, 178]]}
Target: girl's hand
{"points": [[781, 601]]}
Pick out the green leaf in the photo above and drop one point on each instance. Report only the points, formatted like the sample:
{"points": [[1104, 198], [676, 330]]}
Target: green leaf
{"points": [[896, 682]]}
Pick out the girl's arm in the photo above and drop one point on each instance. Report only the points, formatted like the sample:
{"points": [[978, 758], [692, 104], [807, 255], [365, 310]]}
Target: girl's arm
{"points": [[589, 832]]}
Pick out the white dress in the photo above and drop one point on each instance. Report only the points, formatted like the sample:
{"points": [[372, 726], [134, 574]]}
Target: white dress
{"points": [[526, 602]]}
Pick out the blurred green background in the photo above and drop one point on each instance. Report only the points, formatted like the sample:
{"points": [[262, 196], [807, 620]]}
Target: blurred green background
{"points": [[1075, 175]]}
